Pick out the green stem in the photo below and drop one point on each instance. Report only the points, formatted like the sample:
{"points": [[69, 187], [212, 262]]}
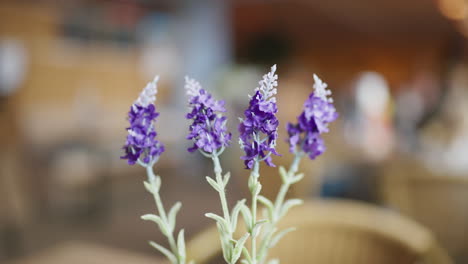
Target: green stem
{"points": [[253, 188], [222, 194], [279, 203], [162, 212], [285, 186]]}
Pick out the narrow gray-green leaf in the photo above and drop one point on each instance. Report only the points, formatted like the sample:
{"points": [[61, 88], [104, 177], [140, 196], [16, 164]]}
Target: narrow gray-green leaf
{"points": [[148, 186], [247, 216], [274, 261], [227, 176], [257, 227], [278, 236], [181, 246], [171, 217], [213, 184], [288, 204], [225, 244], [265, 243], [156, 183], [297, 178], [238, 248], [164, 251], [156, 219], [219, 219], [268, 204], [283, 174], [246, 254], [235, 213], [258, 188]]}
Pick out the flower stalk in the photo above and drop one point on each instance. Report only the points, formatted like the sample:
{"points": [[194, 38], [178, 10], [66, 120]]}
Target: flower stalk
{"points": [[210, 137], [259, 119], [165, 221], [142, 148]]}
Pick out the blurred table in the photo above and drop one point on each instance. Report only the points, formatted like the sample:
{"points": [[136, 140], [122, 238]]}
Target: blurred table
{"points": [[87, 253]]}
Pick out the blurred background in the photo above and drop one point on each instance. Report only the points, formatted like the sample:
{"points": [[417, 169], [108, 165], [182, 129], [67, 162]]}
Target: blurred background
{"points": [[69, 71]]}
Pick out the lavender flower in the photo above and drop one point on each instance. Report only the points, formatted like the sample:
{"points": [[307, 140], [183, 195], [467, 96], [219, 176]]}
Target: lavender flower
{"points": [[312, 122], [208, 130], [260, 119], [141, 144]]}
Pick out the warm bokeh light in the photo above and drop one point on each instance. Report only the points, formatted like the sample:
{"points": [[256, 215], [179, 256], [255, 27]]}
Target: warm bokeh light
{"points": [[463, 27], [454, 9]]}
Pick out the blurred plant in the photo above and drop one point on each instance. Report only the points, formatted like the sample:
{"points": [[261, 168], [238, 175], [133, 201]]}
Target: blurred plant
{"points": [[258, 134], [143, 148]]}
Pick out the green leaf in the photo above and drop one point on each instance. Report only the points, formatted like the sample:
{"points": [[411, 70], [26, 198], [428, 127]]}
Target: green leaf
{"points": [[247, 216], [254, 185], [274, 261], [265, 243], [288, 204], [297, 178], [227, 176], [181, 246], [148, 187], [154, 218], [257, 227], [213, 184], [225, 244], [280, 235], [238, 248], [283, 174], [156, 183], [235, 213], [220, 220], [164, 251], [258, 188], [171, 217], [247, 257], [268, 204]]}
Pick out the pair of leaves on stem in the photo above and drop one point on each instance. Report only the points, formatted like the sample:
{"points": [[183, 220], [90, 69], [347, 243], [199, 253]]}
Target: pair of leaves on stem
{"points": [[220, 185], [180, 258], [289, 178], [232, 248], [166, 224]]}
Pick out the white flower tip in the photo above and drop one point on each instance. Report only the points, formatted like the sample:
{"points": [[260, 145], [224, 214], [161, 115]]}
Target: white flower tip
{"points": [[156, 79], [320, 88], [273, 68], [192, 86], [148, 95], [268, 84]]}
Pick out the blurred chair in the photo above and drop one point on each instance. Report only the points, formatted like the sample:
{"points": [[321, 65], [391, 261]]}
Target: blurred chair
{"points": [[340, 231], [440, 202]]}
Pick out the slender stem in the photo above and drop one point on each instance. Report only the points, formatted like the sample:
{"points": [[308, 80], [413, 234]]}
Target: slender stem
{"points": [[222, 194], [279, 203], [254, 186], [161, 211], [285, 186]]}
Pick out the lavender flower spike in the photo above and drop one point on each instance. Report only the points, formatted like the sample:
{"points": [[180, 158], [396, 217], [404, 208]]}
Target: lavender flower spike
{"points": [[312, 122], [208, 130], [141, 145], [260, 120]]}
